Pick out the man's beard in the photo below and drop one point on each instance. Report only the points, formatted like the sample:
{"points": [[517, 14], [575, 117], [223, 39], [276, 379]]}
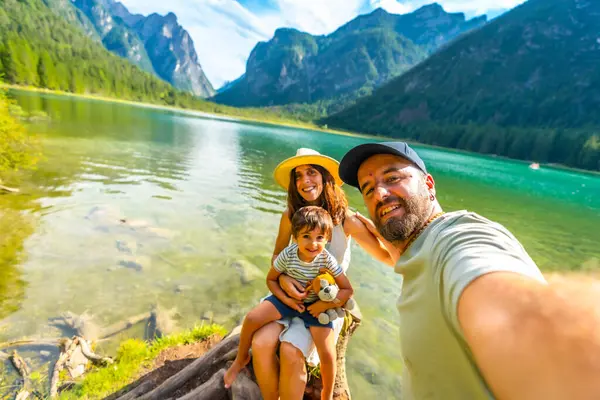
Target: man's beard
{"points": [[416, 212]]}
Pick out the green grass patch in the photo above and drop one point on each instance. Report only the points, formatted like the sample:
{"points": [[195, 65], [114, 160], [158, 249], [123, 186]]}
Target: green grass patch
{"points": [[132, 356]]}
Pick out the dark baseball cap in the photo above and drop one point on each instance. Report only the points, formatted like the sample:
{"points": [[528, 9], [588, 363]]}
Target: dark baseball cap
{"points": [[354, 158]]}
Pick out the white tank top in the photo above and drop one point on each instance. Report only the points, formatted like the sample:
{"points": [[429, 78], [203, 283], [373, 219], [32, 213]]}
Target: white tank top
{"points": [[339, 246]]}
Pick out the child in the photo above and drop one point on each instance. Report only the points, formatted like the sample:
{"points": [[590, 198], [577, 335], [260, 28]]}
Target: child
{"points": [[303, 260]]}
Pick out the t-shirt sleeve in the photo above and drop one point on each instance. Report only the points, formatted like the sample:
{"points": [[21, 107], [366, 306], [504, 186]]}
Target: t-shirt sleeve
{"points": [[332, 265], [282, 261], [471, 247]]}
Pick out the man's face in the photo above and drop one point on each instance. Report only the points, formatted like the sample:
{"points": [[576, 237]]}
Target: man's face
{"points": [[397, 195]]}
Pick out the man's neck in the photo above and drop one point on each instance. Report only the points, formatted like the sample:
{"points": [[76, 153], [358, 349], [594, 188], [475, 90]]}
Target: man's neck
{"points": [[436, 209]]}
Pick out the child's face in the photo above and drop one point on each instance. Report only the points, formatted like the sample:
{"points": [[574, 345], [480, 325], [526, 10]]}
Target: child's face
{"points": [[310, 244]]}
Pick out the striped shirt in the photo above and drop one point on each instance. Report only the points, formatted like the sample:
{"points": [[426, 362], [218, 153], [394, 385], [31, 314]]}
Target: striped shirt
{"points": [[288, 262]]}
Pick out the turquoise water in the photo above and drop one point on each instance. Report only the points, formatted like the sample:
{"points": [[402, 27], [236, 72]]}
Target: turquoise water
{"points": [[135, 206]]}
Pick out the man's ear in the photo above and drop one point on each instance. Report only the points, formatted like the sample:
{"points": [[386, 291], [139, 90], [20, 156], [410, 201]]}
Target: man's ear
{"points": [[430, 182]]}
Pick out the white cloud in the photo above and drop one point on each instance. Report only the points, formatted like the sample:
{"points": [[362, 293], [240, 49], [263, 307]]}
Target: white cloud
{"points": [[225, 32], [469, 7]]}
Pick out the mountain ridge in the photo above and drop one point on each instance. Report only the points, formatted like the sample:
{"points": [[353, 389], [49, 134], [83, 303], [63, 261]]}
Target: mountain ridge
{"points": [[297, 67], [523, 86], [157, 44]]}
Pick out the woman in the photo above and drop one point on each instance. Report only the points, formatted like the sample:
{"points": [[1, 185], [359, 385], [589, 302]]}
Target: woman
{"points": [[310, 179]]}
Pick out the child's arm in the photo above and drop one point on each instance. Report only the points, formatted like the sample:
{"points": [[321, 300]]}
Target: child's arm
{"points": [[275, 288], [345, 289]]}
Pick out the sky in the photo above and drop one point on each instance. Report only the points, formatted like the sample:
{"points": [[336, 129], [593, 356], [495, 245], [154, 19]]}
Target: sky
{"points": [[226, 31]]}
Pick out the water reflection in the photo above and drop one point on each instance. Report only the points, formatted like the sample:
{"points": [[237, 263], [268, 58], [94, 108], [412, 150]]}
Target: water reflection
{"points": [[15, 227]]}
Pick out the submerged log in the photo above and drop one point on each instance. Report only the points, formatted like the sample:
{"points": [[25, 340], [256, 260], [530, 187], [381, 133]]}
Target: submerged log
{"points": [[119, 327]]}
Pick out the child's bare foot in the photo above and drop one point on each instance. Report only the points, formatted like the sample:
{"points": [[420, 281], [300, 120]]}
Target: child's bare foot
{"points": [[234, 370]]}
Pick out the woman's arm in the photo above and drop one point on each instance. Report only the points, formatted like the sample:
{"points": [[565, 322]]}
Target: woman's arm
{"points": [[273, 285], [364, 232], [289, 285], [284, 235]]}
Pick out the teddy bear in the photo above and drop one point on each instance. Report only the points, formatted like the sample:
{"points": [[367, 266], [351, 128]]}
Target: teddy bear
{"points": [[327, 290]]}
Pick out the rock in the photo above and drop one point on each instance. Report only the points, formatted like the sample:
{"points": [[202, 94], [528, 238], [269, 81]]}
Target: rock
{"points": [[111, 268], [248, 272], [82, 325], [161, 233], [137, 263], [182, 288], [208, 316], [45, 353], [126, 247], [188, 248], [161, 322], [3, 356]]}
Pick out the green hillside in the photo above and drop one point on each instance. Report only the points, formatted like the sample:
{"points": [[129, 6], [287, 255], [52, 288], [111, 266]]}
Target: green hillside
{"points": [[527, 86]]}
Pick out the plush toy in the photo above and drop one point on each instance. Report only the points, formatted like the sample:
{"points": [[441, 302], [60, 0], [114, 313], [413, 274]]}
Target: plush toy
{"points": [[327, 290]]}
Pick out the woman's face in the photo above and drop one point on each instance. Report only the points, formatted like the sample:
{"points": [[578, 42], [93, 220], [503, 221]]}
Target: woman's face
{"points": [[309, 183]]}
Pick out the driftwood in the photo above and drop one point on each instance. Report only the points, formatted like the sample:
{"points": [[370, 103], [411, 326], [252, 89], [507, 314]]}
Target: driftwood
{"points": [[32, 342], [245, 388], [210, 368], [7, 189], [81, 329], [93, 357], [69, 348], [139, 390], [202, 366], [210, 390], [23, 370]]}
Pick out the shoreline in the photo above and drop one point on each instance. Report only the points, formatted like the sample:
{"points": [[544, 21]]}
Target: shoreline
{"points": [[286, 123], [293, 124]]}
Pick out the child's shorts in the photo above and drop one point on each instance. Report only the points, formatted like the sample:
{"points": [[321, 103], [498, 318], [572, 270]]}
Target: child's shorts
{"points": [[286, 312]]}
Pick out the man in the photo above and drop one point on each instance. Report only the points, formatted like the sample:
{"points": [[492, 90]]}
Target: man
{"points": [[478, 320]]}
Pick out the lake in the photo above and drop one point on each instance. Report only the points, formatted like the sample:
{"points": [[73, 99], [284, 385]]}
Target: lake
{"points": [[135, 206]]}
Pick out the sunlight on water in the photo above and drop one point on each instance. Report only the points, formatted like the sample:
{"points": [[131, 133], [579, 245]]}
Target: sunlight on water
{"points": [[134, 207]]}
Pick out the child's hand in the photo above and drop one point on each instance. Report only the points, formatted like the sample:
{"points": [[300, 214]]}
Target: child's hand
{"points": [[296, 305], [318, 308]]}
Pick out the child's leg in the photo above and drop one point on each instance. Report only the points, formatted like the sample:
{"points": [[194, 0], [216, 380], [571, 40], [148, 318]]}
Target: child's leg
{"points": [[258, 317], [324, 339]]}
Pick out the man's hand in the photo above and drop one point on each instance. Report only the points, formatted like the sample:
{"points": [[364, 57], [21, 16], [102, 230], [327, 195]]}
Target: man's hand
{"points": [[292, 287], [319, 307]]}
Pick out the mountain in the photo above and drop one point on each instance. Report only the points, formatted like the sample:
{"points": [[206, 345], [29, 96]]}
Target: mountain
{"points": [[39, 48], [531, 77], [296, 67], [157, 44]]}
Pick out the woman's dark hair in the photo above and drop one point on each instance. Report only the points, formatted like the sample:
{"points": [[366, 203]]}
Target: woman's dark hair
{"points": [[333, 199]]}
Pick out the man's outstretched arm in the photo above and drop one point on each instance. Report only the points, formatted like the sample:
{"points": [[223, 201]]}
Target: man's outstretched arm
{"points": [[533, 340]]}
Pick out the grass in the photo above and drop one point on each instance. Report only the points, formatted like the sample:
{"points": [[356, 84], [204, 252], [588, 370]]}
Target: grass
{"points": [[132, 356]]}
